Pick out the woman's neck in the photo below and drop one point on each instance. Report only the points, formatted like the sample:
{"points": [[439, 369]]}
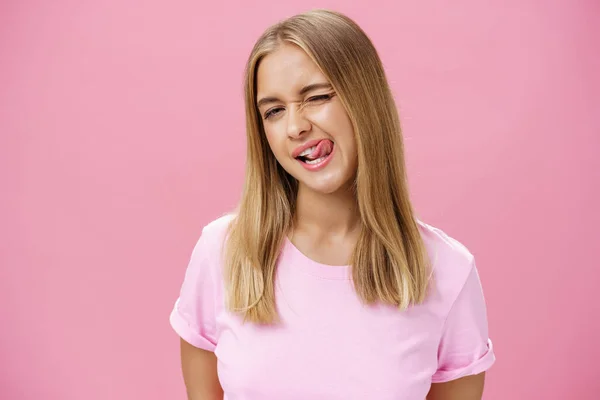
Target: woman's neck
{"points": [[324, 215]]}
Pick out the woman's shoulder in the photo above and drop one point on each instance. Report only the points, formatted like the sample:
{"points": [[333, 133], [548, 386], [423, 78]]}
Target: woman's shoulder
{"points": [[441, 243], [217, 228], [212, 237], [451, 261]]}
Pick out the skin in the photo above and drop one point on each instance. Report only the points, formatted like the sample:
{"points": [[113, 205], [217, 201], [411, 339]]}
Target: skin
{"points": [[467, 388], [199, 368], [294, 111]]}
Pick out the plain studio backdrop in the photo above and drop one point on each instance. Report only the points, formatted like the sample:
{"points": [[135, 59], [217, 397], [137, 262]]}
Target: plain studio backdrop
{"points": [[122, 134]]}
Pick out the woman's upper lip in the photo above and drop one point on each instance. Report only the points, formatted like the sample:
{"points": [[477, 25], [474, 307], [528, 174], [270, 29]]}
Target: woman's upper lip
{"points": [[305, 146]]}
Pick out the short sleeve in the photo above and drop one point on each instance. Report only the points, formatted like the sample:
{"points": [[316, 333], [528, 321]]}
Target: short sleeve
{"points": [[193, 316], [465, 347]]}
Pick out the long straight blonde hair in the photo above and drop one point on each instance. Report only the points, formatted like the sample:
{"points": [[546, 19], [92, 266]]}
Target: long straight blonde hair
{"points": [[389, 263]]}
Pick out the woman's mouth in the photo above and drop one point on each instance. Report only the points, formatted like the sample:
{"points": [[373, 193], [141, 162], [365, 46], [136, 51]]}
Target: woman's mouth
{"points": [[316, 157]]}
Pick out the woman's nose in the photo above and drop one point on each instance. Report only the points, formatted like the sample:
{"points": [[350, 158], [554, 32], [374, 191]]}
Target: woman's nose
{"points": [[297, 123]]}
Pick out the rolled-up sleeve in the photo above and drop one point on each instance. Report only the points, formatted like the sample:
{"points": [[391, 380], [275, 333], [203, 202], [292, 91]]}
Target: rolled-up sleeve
{"points": [[465, 347], [193, 315]]}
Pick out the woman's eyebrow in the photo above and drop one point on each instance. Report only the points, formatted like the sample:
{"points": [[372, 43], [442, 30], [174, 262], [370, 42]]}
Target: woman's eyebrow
{"points": [[302, 92], [314, 86], [267, 100]]}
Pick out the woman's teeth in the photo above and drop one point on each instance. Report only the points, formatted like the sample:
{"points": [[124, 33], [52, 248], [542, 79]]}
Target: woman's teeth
{"points": [[318, 160], [307, 151]]}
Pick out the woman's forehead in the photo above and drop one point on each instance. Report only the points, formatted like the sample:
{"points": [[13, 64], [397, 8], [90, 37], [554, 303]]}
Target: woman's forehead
{"points": [[287, 69]]}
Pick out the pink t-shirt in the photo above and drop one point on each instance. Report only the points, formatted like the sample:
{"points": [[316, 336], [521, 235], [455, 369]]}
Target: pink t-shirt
{"points": [[330, 346]]}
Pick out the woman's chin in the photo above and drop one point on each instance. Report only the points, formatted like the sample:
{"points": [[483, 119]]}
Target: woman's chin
{"points": [[321, 186]]}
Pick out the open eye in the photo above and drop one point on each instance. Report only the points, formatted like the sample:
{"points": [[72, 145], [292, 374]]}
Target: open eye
{"points": [[272, 112]]}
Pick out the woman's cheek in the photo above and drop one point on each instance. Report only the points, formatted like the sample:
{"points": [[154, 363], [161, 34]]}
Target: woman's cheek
{"points": [[320, 116]]}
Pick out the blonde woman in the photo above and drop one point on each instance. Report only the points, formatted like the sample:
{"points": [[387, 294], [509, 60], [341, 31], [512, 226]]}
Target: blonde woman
{"points": [[323, 284]]}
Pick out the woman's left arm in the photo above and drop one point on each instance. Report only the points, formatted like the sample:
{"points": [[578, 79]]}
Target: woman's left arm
{"points": [[465, 388]]}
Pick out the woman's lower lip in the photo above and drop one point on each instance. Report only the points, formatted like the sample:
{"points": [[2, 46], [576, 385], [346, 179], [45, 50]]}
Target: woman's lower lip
{"points": [[319, 165]]}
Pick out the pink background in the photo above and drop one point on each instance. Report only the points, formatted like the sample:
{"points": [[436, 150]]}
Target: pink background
{"points": [[121, 134]]}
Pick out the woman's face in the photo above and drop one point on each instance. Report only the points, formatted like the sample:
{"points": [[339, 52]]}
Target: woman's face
{"points": [[305, 122]]}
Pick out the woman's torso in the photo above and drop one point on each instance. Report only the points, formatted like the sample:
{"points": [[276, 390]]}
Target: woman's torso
{"points": [[328, 344]]}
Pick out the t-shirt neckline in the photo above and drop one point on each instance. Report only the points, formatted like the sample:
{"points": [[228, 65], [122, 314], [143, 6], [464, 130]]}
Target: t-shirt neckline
{"points": [[312, 267]]}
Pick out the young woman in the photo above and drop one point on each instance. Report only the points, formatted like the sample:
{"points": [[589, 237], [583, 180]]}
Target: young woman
{"points": [[323, 284]]}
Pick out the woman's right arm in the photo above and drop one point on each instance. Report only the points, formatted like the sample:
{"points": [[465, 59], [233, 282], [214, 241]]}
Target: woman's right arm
{"points": [[199, 369]]}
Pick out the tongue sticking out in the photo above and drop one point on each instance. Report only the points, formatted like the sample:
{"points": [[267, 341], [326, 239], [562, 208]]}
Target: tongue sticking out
{"points": [[323, 149]]}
